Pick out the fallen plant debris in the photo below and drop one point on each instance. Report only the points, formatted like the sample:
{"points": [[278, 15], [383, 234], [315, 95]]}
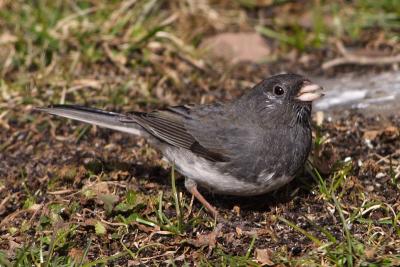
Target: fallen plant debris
{"points": [[359, 59], [109, 209], [78, 195]]}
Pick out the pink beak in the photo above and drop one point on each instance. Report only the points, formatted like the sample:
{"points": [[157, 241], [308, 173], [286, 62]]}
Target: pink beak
{"points": [[309, 92]]}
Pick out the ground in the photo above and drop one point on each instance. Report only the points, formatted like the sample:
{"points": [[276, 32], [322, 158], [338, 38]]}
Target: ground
{"points": [[73, 194]]}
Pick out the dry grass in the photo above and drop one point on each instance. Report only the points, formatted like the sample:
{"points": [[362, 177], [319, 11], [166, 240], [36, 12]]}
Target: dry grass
{"points": [[71, 194]]}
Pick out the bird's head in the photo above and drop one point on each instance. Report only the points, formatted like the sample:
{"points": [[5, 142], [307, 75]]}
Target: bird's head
{"points": [[287, 96]]}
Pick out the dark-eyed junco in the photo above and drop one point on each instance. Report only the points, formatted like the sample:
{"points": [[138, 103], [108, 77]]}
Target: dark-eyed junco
{"points": [[249, 146]]}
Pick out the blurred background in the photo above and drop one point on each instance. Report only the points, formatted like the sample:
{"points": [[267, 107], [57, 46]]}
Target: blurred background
{"points": [[119, 54], [144, 54]]}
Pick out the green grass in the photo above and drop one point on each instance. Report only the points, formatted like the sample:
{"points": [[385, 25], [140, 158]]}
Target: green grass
{"points": [[49, 250], [126, 55], [330, 21], [350, 251]]}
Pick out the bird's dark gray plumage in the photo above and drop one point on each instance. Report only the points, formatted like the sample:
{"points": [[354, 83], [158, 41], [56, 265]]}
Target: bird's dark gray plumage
{"points": [[245, 147]]}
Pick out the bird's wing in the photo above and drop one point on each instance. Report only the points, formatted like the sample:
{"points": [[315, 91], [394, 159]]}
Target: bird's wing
{"points": [[235, 135], [220, 129], [170, 126], [202, 130], [215, 132]]}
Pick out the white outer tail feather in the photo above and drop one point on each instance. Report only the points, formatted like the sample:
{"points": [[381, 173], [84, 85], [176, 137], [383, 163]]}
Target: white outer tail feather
{"points": [[97, 117]]}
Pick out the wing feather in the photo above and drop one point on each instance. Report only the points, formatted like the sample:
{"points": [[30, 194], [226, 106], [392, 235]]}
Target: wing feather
{"points": [[169, 125]]}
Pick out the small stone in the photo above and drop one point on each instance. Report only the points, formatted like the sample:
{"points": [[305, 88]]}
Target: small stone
{"points": [[237, 47]]}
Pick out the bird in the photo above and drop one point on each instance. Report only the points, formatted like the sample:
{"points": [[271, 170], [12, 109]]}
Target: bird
{"points": [[248, 146]]}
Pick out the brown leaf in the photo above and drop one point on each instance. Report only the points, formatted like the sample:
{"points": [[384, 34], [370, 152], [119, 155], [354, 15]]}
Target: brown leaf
{"points": [[236, 210], [370, 253], [90, 222], [239, 231], [391, 132], [263, 256], [229, 237], [100, 188], [146, 229], [134, 263], [209, 240], [67, 172], [7, 38], [325, 158], [87, 83], [151, 185], [370, 135], [76, 254]]}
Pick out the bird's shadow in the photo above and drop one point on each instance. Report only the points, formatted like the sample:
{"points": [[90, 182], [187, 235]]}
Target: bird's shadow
{"points": [[298, 187], [141, 172]]}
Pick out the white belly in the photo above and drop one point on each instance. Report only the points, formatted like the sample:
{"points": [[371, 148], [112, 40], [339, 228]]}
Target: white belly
{"points": [[207, 176]]}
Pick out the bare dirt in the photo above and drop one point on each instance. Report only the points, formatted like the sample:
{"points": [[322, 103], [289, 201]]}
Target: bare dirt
{"points": [[49, 161]]}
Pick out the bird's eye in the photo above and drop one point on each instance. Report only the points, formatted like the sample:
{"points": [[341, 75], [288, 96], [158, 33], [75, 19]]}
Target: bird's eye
{"points": [[278, 90]]}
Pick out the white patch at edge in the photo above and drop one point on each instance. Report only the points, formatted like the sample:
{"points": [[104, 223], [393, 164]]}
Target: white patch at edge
{"points": [[129, 130], [205, 175], [265, 177]]}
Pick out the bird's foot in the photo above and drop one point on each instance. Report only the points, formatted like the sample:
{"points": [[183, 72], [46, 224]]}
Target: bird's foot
{"points": [[191, 186]]}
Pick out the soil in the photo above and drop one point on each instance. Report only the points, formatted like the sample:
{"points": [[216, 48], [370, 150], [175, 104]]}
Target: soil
{"points": [[50, 161]]}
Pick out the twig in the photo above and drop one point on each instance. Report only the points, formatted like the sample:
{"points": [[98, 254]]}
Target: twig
{"points": [[350, 58], [4, 201], [4, 123], [61, 192], [13, 215]]}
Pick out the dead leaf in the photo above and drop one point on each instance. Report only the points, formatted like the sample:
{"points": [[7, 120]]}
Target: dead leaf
{"points": [[145, 228], [263, 256], [239, 231], [68, 172], [325, 157], [229, 238], [76, 254], [391, 132], [134, 263], [100, 188], [236, 210], [88, 83], [151, 185], [90, 222], [35, 207], [7, 38], [13, 248], [370, 135], [370, 253], [209, 240]]}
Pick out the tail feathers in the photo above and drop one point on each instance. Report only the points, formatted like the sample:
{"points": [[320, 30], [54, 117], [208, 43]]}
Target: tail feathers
{"points": [[111, 120]]}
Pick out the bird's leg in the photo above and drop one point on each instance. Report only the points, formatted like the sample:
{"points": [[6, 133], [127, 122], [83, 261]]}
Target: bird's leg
{"points": [[191, 186]]}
